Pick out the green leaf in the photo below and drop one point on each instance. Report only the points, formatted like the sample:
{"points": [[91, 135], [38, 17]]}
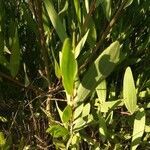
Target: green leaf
{"points": [[64, 8], [57, 67], [81, 44], [78, 111], [128, 3], [57, 131], [2, 139], [77, 9], [86, 110], [59, 111], [109, 105], [79, 124], [138, 129], [56, 22], [15, 55], [98, 71], [106, 4], [102, 127], [67, 114], [101, 91], [129, 91], [68, 67]]}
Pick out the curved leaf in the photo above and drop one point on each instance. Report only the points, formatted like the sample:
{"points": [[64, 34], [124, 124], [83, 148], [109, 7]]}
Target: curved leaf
{"points": [[129, 91], [81, 44], [55, 20]]}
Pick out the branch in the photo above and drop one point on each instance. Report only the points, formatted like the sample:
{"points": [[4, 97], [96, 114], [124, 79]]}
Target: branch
{"points": [[104, 35], [16, 82]]}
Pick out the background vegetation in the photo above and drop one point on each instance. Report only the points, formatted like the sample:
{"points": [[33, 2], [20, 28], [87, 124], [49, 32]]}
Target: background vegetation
{"points": [[74, 74]]}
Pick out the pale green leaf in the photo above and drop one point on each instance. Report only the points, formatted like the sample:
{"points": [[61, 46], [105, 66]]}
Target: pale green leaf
{"points": [[79, 124], [59, 111], [64, 8], [86, 110], [129, 91], [98, 71], [57, 67], [109, 105], [78, 111], [81, 44], [68, 66], [67, 114], [138, 129], [101, 91], [128, 3], [77, 9], [56, 22]]}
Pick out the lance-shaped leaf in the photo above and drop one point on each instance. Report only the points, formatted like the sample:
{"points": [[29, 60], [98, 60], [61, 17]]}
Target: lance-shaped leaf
{"points": [[78, 9], [68, 66], [56, 22], [98, 71], [81, 44], [138, 129], [106, 4], [15, 56], [129, 91]]}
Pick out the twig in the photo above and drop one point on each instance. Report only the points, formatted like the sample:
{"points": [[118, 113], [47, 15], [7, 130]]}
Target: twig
{"points": [[104, 35], [37, 9], [18, 83]]}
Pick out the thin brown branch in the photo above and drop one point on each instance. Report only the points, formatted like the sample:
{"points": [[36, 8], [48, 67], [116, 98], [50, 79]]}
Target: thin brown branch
{"points": [[104, 35], [37, 9], [92, 8], [18, 83]]}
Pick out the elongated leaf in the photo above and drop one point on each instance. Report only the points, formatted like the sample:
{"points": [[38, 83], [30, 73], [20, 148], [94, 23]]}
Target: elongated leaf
{"points": [[15, 56], [57, 67], [55, 20], [59, 111], [102, 127], [68, 66], [67, 114], [129, 91], [107, 8], [98, 71], [129, 2], [78, 9], [81, 44], [2, 139], [101, 91], [138, 129], [64, 8]]}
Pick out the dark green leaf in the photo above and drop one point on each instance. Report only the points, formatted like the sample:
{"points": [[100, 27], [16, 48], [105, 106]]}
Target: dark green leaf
{"points": [[15, 55]]}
